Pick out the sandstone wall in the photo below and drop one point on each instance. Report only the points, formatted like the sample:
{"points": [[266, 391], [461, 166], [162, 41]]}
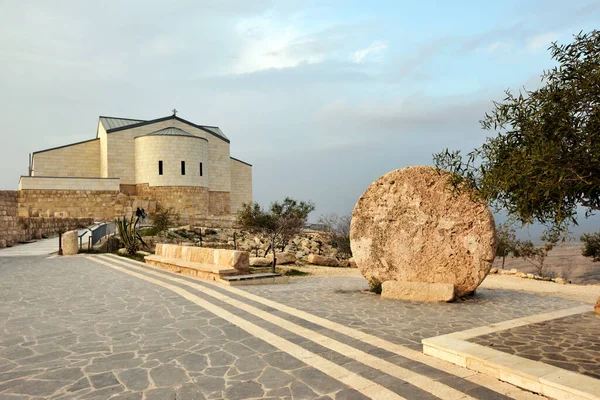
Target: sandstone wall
{"points": [[120, 154], [103, 150], [171, 150], [9, 231], [188, 201], [219, 204], [51, 183], [241, 184], [14, 229], [79, 159], [99, 205]]}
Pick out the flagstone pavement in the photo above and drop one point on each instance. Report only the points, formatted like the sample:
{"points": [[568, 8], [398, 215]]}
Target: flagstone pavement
{"points": [[99, 327]]}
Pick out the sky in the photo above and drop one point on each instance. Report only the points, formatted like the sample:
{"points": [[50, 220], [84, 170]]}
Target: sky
{"points": [[322, 97]]}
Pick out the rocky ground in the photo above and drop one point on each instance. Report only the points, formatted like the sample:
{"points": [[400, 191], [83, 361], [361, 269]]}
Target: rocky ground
{"points": [[563, 261], [310, 247]]}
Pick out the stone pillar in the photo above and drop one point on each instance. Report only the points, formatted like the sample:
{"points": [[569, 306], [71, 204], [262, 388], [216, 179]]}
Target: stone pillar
{"points": [[69, 243]]}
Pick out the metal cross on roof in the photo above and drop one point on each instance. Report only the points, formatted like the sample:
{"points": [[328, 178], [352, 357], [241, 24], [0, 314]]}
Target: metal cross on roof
{"points": [[174, 111]]}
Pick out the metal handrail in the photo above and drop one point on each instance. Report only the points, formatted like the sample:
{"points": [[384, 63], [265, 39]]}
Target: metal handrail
{"points": [[97, 232]]}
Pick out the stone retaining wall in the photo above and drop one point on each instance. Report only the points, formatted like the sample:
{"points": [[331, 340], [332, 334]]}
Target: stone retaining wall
{"points": [[219, 203], [8, 217], [97, 204], [15, 228], [188, 201], [26, 214]]}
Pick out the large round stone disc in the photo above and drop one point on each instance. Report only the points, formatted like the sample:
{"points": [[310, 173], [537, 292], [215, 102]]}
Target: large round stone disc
{"points": [[409, 226]]}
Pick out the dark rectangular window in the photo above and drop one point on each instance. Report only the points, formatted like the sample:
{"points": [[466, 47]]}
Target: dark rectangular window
{"points": [[183, 168], [160, 167], [200, 169]]}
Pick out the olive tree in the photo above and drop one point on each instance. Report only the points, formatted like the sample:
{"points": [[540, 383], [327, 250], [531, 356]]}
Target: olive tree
{"points": [[591, 245], [277, 224], [536, 255], [544, 160]]}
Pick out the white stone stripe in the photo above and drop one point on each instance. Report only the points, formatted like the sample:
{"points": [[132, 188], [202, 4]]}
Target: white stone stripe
{"points": [[442, 365], [51, 257], [420, 381], [535, 376], [349, 378]]}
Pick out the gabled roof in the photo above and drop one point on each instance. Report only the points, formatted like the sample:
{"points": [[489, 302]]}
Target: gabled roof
{"points": [[111, 123], [133, 123], [172, 131]]}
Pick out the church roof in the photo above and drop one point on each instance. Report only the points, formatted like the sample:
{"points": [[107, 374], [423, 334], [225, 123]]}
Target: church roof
{"points": [[171, 131], [112, 124]]}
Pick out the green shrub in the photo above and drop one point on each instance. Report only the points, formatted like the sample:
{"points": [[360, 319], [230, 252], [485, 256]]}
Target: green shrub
{"points": [[148, 231], [295, 272], [375, 285], [164, 218]]}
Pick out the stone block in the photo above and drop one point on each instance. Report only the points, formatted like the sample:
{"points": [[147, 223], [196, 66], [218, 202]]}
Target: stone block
{"points": [[70, 243], [418, 291], [199, 255], [283, 258], [316, 259], [597, 306], [260, 262]]}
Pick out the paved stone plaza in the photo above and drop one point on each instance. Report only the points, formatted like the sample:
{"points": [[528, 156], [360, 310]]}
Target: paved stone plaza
{"points": [[572, 342], [103, 327]]}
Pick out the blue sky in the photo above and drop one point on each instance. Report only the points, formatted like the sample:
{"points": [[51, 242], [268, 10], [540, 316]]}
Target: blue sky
{"points": [[322, 97]]}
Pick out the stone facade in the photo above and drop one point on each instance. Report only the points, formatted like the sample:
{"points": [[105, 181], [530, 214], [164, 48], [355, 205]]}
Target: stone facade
{"points": [[50, 183], [187, 201], [15, 228], [98, 205], [83, 161], [219, 203], [135, 162], [241, 184]]}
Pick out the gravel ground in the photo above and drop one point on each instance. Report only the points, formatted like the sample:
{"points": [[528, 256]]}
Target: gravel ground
{"points": [[585, 293]]}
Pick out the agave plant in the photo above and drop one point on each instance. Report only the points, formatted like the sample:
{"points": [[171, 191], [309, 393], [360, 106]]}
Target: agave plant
{"points": [[129, 234]]}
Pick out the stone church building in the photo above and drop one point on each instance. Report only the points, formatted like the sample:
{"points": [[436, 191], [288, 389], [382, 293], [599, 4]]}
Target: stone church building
{"points": [[132, 162]]}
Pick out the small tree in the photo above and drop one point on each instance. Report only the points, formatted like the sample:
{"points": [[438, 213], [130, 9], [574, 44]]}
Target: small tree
{"points": [[536, 255], [591, 245], [506, 240], [164, 218], [338, 231], [281, 222]]}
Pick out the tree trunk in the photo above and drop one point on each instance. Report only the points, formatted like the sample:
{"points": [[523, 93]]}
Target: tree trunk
{"points": [[274, 259], [503, 260]]}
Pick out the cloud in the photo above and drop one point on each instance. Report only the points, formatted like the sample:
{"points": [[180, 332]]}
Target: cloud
{"points": [[496, 47], [542, 40], [373, 51]]}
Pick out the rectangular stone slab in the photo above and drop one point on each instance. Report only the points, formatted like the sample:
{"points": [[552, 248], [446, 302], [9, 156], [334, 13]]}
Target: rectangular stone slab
{"points": [[417, 291]]}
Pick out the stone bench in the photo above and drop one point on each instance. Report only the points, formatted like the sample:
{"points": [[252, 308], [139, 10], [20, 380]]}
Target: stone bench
{"points": [[201, 262]]}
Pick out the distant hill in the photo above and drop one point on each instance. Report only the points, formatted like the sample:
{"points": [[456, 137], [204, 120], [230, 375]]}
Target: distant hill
{"points": [[565, 261]]}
